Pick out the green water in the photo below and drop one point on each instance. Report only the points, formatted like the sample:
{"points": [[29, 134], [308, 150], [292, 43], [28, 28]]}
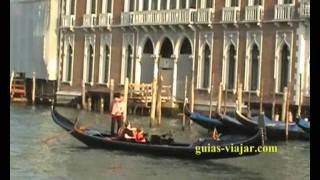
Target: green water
{"points": [[65, 158]]}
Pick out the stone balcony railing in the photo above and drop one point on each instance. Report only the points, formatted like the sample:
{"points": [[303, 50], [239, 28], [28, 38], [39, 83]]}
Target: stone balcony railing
{"points": [[183, 16], [204, 16], [254, 13], [168, 17], [105, 19], [305, 9], [89, 20], [230, 14], [68, 21], [284, 12]]}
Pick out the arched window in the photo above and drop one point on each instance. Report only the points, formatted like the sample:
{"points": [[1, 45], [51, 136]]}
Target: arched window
{"points": [[90, 64], [72, 7], [209, 4], [145, 5], [206, 67], [148, 47], [231, 67], [284, 67], [173, 4], [257, 2], [129, 63], [287, 2], [93, 6], [186, 47], [254, 67], [154, 4], [234, 3], [166, 49], [106, 64], [69, 72], [109, 6], [163, 4], [183, 4], [192, 4], [131, 5]]}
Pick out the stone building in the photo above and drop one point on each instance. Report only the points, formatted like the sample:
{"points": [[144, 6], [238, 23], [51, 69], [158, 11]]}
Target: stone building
{"points": [[258, 43]]}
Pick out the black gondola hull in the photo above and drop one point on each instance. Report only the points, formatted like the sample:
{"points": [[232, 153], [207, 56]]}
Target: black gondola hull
{"points": [[179, 150]]}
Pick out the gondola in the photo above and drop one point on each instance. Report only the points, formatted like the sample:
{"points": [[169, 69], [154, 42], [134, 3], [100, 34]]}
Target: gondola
{"points": [[275, 130], [223, 123], [305, 125], [95, 139]]}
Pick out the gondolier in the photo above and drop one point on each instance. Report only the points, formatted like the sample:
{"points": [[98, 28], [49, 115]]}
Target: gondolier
{"points": [[117, 113]]}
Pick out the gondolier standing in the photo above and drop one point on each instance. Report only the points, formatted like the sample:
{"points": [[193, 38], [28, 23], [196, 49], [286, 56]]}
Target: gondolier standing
{"points": [[117, 113]]}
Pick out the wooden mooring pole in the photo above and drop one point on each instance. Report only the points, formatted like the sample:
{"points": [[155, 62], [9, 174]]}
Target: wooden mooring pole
{"points": [[300, 97], [111, 94], [83, 93], [225, 100], [249, 97], [11, 81], [261, 98], [283, 112], [101, 104], [153, 102], [158, 111], [185, 96], [274, 100], [211, 97], [33, 87], [239, 97], [192, 97], [219, 98], [287, 110], [126, 89]]}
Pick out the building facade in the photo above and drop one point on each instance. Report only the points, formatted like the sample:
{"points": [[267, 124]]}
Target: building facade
{"points": [[261, 44]]}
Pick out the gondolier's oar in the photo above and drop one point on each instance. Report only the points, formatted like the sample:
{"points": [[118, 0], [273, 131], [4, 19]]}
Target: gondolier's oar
{"points": [[63, 134]]}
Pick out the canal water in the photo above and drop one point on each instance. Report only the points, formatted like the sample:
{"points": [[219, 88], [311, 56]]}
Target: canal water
{"points": [[40, 150]]}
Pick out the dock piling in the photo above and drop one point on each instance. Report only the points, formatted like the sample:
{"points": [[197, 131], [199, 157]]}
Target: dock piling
{"points": [[283, 112], [101, 104], [261, 97], [11, 81], [111, 94], [153, 102], [126, 88], [211, 97], [225, 100], [300, 97], [158, 110], [185, 96], [219, 97], [83, 93], [274, 100], [33, 87]]}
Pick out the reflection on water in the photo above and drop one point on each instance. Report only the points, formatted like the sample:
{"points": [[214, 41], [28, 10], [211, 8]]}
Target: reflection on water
{"points": [[62, 157]]}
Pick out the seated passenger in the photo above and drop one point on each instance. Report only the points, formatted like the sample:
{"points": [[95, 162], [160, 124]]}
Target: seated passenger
{"points": [[139, 136]]}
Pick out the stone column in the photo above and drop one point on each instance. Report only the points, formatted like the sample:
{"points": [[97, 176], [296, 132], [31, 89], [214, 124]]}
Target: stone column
{"points": [[175, 71]]}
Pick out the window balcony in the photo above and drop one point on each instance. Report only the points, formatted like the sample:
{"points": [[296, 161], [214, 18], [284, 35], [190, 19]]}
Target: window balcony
{"points": [[204, 16], [305, 9], [162, 17], [254, 14], [105, 20], [284, 12], [230, 14], [89, 20], [68, 21]]}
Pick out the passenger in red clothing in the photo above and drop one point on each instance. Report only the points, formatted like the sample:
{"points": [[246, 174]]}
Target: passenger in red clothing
{"points": [[117, 113], [139, 136]]}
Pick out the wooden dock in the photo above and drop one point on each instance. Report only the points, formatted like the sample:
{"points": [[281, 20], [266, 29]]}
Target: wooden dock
{"points": [[140, 96]]}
